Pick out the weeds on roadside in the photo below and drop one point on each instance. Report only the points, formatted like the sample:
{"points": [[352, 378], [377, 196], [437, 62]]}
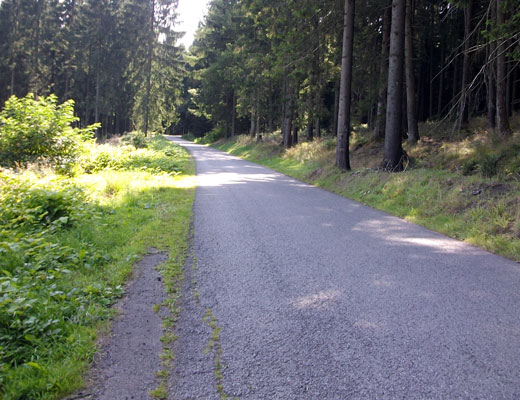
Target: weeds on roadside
{"points": [[66, 246]]}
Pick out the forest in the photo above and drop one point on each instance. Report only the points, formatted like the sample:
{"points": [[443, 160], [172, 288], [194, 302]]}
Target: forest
{"points": [[261, 65], [89, 87]]}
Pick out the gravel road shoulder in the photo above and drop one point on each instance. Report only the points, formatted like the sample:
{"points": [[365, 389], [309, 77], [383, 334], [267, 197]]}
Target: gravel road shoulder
{"points": [[125, 366]]}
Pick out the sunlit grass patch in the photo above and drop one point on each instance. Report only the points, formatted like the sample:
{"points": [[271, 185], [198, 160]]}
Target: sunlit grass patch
{"points": [[70, 244]]}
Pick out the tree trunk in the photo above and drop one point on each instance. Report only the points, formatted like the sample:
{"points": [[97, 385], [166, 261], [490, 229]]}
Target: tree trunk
{"points": [[342, 151], [393, 153], [430, 61], [463, 119], [413, 128], [502, 117], [441, 84], [12, 79], [233, 114], [252, 130], [257, 124], [96, 105], [491, 79], [295, 129], [336, 109], [310, 116], [287, 115], [149, 70], [270, 122], [379, 130]]}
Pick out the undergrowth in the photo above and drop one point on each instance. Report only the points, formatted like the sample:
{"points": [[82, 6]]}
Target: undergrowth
{"points": [[67, 245]]}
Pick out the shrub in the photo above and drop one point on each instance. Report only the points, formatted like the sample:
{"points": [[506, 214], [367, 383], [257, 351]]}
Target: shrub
{"points": [[39, 305], [40, 130], [212, 136], [136, 139]]}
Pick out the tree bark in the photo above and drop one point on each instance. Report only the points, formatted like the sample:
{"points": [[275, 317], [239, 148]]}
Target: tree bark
{"points": [[96, 105], [287, 115], [491, 78], [310, 116], [502, 117], [393, 153], [413, 128], [336, 109], [463, 119], [441, 84], [379, 130], [233, 114], [149, 70], [342, 151], [295, 129]]}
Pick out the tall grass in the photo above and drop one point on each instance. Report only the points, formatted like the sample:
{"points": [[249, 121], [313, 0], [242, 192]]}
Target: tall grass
{"points": [[67, 245]]}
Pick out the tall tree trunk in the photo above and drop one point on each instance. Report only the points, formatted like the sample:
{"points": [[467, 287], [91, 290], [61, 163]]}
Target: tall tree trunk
{"points": [[379, 130], [463, 119], [295, 129], [342, 151], [413, 128], [252, 129], [233, 114], [441, 84], [257, 114], [509, 73], [149, 69], [287, 114], [336, 108], [430, 61], [491, 49], [393, 153], [96, 105], [310, 116], [11, 91], [502, 117]]}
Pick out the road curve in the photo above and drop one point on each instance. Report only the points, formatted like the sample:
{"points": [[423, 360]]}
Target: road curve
{"points": [[320, 297]]}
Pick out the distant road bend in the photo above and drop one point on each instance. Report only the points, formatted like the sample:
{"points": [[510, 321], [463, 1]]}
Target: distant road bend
{"points": [[319, 297]]}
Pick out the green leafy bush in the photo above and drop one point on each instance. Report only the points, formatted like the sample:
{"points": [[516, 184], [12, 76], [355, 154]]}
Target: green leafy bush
{"points": [[212, 136], [39, 304], [40, 130], [136, 139], [159, 156]]}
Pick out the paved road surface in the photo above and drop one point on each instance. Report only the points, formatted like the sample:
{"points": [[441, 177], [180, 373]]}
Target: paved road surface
{"points": [[319, 297]]}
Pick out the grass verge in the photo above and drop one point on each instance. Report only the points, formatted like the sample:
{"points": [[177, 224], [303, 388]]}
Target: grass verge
{"points": [[68, 244], [480, 208]]}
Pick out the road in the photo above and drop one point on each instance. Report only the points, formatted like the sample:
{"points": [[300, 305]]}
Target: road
{"points": [[319, 297]]}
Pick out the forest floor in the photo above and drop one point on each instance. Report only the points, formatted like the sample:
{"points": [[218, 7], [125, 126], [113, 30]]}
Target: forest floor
{"points": [[465, 185]]}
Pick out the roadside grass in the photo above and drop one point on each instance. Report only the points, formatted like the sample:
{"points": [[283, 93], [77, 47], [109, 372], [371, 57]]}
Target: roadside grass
{"points": [[67, 246], [466, 186]]}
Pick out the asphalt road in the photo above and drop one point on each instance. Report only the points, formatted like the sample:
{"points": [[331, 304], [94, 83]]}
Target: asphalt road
{"points": [[319, 297]]}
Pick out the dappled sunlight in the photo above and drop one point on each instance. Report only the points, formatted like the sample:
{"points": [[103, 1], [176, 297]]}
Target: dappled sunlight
{"points": [[392, 230], [365, 324], [231, 178], [383, 281], [318, 300], [185, 181]]}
